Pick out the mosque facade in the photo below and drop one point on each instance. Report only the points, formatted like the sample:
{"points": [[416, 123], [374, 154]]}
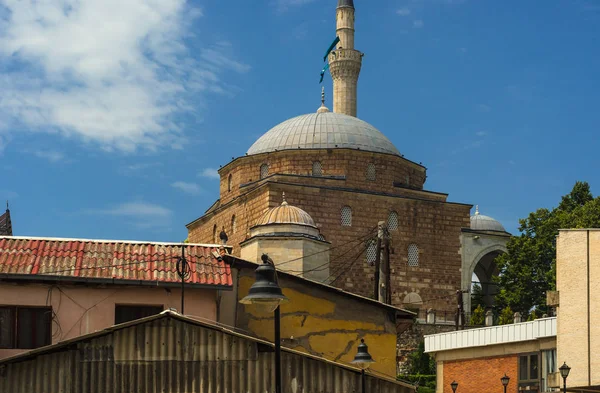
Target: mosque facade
{"points": [[347, 176]]}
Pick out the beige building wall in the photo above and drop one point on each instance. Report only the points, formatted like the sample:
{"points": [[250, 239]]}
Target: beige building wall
{"points": [[578, 313], [82, 310]]}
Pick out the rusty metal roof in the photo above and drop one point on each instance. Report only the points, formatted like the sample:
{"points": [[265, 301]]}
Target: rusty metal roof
{"points": [[89, 260], [172, 353]]}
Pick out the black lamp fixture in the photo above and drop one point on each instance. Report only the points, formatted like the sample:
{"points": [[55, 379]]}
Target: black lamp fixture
{"points": [[267, 295], [564, 373], [363, 360], [505, 379], [454, 385]]}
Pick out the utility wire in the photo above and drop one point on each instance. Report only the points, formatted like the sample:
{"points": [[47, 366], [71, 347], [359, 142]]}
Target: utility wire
{"points": [[343, 269]]}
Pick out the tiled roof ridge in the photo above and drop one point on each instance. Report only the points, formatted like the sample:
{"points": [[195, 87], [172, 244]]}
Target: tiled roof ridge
{"points": [[84, 240]]}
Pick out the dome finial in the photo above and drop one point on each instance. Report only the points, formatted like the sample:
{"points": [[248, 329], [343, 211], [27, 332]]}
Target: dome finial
{"points": [[476, 210], [283, 201], [323, 108]]}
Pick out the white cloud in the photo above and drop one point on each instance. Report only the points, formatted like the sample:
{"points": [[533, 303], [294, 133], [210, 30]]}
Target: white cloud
{"points": [[284, 5], [481, 133], [210, 172], [6, 195], [50, 155], [405, 11], [417, 24], [141, 215], [111, 72], [189, 188]]}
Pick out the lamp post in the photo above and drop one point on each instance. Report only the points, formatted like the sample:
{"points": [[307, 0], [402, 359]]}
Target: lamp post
{"points": [[266, 294], [564, 373], [363, 360], [505, 379], [454, 385]]}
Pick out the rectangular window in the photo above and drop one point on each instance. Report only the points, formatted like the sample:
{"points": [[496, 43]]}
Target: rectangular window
{"points": [[529, 372], [25, 327], [126, 313], [549, 367]]}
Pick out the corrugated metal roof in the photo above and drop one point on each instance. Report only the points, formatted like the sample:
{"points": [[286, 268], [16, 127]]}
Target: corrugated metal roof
{"points": [[172, 353], [111, 259], [492, 335]]}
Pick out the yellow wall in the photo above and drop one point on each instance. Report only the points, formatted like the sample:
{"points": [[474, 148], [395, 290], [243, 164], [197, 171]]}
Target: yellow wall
{"points": [[325, 324]]}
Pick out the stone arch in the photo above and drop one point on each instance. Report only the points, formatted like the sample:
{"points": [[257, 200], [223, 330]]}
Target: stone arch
{"points": [[484, 267]]}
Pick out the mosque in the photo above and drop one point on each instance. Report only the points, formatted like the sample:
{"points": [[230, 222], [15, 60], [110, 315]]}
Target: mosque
{"points": [[311, 191]]}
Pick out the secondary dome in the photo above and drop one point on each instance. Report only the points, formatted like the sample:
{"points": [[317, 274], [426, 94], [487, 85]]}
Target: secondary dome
{"points": [[286, 214], [325, 130], [479, 222]]}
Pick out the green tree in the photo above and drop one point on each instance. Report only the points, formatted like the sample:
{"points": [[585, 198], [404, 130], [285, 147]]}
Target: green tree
{"points": [[476, 296], [478, 316], [419, 362], [506, 317], [528, 269]]}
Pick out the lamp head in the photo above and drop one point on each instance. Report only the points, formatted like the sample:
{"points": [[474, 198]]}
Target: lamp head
{"points": [[564, 370], [265, 292], [363, 359], [505, 379], [454, 385]]}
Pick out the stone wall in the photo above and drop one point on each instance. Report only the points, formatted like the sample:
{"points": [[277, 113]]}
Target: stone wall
{"points": [[424, 218]]}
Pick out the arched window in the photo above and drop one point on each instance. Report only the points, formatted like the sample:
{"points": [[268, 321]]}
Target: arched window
{"points": [[372, 252], [392, 223], [215, 234], [413, 255], [371, 172], [229, 179], [346, 216], [317, 170], [264, 171], [233, 224]]}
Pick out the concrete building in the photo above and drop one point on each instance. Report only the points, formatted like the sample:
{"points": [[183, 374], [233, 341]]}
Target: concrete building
{"points": [[176, 354], [53, 290], [531, 353], [348, 176], [578, 306]]}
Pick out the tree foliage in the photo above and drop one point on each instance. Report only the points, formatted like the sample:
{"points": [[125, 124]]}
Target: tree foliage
{"points": [[478, 316], [528, 270], [506, 317], [477, 296], [419, 362]]}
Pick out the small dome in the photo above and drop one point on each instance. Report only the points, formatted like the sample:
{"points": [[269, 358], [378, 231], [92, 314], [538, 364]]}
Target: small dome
{"points": [[286, 214], [479, 222], [323, 130]]}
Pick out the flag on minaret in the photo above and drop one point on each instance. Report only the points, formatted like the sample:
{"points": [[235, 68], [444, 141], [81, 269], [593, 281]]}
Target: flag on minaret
{"points": [[333, 44], [323, 72]]}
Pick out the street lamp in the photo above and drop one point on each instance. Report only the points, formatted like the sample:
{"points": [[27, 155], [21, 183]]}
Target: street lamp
{"points": [[454, 385], [266, 294], [363, 360], [564, 372], [505, 379]]}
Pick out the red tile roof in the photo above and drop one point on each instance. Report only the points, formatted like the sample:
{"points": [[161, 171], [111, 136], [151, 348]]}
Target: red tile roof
{"points": [[111, 259]]}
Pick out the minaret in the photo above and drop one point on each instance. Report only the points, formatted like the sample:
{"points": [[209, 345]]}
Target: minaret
{"points": [[345, 61]]}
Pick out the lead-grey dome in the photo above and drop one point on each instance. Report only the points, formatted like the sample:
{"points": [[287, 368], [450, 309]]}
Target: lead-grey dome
{"points": [[479, 222], [326, 130], [345, 3]]}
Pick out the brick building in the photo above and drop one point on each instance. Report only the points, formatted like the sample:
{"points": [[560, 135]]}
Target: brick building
{"points": [[348, 176]]}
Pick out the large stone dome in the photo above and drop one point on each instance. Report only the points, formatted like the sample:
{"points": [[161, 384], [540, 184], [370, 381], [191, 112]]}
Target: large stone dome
{"points": [[479, 222], [325, 130]]}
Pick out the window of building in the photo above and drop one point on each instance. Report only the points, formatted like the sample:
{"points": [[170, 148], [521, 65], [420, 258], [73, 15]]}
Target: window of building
{"points": [[372, 252], [215, 234], [528, 369], [317, 170], [264, 171], [549, 366], [346, 216], [413, 255], [233, 224], [371, 172], [126, 313], [229, 179], [392, 223], [25, 327]]}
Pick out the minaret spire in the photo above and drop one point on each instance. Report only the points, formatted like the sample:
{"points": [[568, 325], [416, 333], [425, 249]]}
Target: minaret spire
{"points": [[345, 62]]}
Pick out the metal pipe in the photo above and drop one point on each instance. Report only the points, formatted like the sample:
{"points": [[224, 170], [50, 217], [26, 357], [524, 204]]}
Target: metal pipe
{"points": [[564, 385], [277, 319], [362, 374]]}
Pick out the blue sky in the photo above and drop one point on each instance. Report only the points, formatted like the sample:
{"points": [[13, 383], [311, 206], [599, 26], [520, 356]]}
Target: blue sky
{"points": [[115, 115]]}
